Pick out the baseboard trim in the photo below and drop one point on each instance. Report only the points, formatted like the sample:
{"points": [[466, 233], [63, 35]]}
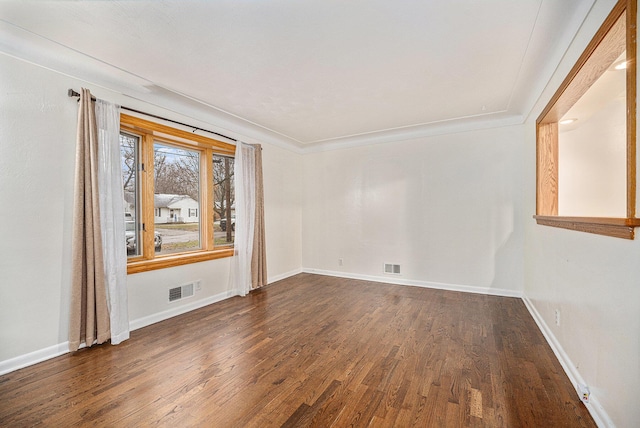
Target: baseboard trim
{"points": [[282, 276], [594, 407], [41, 355], [44, 354], [38, 356], [170, 313], [415, 283], [34, 357]]}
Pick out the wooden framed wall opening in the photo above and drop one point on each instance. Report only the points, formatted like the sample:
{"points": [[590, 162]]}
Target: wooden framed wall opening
{"points": [[616, 35]]}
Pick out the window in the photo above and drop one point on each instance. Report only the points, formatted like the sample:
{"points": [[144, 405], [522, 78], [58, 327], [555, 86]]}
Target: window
{"points": [[176, 185], [586, 136]]}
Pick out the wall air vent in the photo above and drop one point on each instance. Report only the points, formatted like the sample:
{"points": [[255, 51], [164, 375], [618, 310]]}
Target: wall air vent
{"points": [[392, 269], [181, 292]]}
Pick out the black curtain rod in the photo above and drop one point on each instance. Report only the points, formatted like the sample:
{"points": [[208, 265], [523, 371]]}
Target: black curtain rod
{"points": [[73, 93]]}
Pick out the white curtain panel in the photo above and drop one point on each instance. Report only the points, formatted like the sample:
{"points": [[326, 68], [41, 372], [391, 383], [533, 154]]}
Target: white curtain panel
{"points": [[244, 174], [112, 218]]}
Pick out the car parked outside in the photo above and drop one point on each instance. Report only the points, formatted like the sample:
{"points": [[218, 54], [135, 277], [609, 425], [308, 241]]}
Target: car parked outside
{"points": [[223, 224], [130, 236]]}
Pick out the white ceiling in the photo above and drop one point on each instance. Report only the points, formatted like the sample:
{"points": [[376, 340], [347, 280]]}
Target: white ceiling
{"points": [[309, 74]]}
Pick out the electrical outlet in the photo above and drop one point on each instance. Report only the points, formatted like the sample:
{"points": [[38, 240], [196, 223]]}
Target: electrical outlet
{"points": [[340, 262], [558, 317], [198, 286], [584, 393]]}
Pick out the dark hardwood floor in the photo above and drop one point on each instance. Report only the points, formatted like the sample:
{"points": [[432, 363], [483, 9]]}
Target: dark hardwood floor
{"points": [[312, 351]]}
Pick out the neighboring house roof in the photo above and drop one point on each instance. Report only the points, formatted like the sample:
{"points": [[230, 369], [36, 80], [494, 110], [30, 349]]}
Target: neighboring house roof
{"points": [[170, 201]]}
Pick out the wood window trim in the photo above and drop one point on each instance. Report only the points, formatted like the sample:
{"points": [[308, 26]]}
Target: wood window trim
{"points": [[136, 123], [594, 60], [137, 266], [155, 131], [616, 227]]}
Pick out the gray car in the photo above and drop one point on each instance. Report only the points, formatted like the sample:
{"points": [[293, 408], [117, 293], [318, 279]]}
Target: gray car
{"points": [[130, 236], [223, 224]]}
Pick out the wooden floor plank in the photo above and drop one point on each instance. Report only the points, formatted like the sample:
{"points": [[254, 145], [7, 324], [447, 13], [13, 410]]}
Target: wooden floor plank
{"points": [[311, 351]]}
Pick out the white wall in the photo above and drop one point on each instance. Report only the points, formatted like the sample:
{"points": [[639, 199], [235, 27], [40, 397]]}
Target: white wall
{"points": [[37, 142], [592, 160], [36, 174], [593, 280], [446, 208], [282, 170]]}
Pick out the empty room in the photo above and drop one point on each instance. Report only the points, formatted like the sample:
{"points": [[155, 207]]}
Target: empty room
{"points": [[287, 213]]}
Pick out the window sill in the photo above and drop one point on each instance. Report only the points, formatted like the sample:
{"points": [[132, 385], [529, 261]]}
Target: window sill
{"points": [[616, 227], [137, 266]]}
